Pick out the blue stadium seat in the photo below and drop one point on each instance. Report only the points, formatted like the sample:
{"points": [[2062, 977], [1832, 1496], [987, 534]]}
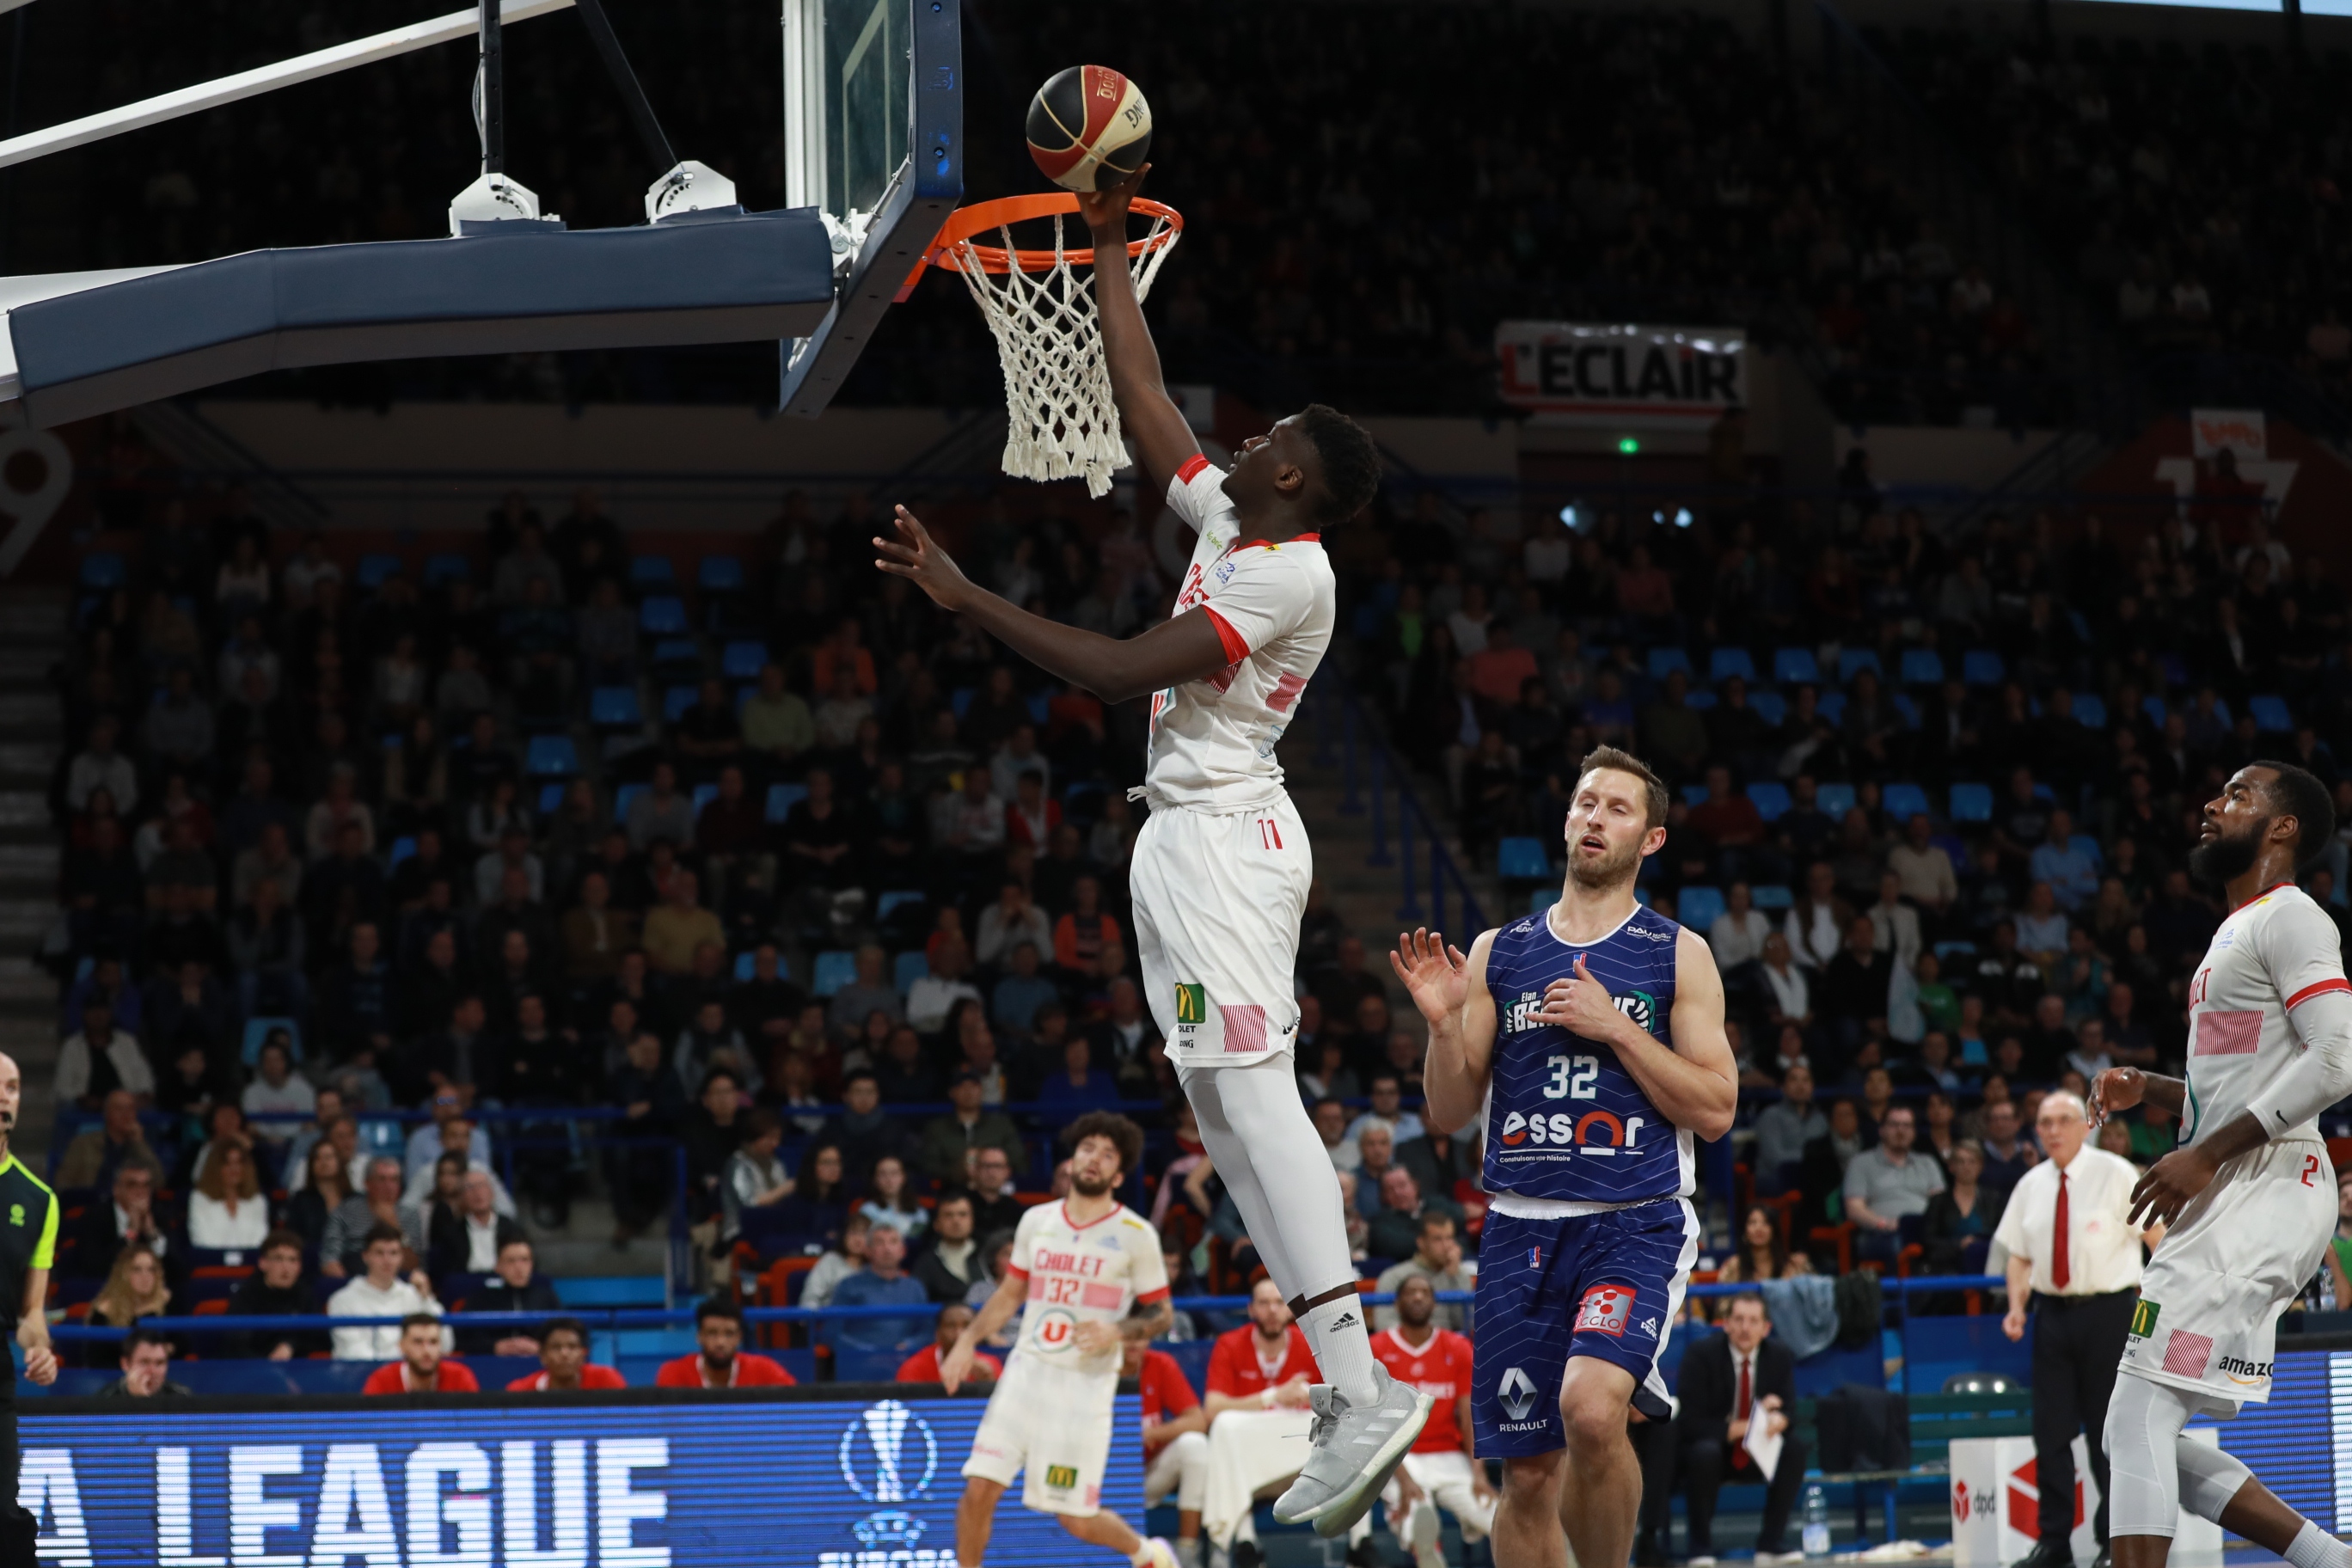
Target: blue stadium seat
{"points": [[1770, 707], [1040, 705], [662, 616], [908, 968], [1947, 951], [1834, 799], [1831, 706], [550, 797], [1982, 667], [1971, 803], [675, 700], [834, 969], [1694, 795], [720, 575], [623, 798], [1697, 907], [1541, 899], [1853, 662], [1902, 802], [447, 567], [1795, 666], [2091, 709], [1772, 896], [1699, 698], [783, 797], [650, 573], [2153, 706], [1522, 861], [615, 708], [1922, 667], [2175, 670], [704, 794], [402, 848], [1726, 662], [258, 1032], [1664, 661], [2271, 713], [103, 571], [1908, 709], [961, 700], [1771, 797], [374, 570], [676, 656], [743, 967], [891, 902], [551, 757], [743, 660]]}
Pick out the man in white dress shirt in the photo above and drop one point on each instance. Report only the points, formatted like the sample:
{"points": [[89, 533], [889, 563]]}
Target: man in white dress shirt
{"points": [[2072, 1247]]}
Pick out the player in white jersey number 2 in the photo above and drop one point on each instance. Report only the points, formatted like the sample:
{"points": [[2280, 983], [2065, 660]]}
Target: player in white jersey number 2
{"points": [[2248, 1196], [1083, 1265], [1219, 871]]}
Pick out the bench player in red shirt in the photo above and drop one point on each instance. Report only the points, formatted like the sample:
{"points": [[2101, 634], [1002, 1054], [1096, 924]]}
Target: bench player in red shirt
{"points": [[1259, 1376], [722, 1362], [1175, 1441], [1440, 1471], [564, 1364], [421, 1367], [923, 1366]]}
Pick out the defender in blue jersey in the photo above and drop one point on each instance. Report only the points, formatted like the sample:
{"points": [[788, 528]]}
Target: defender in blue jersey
{"points": [[1589, 1043]]}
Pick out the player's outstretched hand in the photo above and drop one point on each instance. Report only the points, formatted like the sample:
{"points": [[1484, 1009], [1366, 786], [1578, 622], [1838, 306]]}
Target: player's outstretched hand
{"points": [[2169, 1186], [1582, 1005], [1437, 977], [1105, 210], [2114, 1091], [917, 556]]}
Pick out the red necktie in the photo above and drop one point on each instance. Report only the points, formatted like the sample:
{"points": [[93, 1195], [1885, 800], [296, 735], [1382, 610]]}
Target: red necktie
{"points": [[2059, 1271], [1739, 1453]]}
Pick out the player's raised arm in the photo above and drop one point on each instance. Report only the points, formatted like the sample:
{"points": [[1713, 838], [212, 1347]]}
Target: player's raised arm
{"points": [[1162, 437], [1693, 1082], [1451, 992]]}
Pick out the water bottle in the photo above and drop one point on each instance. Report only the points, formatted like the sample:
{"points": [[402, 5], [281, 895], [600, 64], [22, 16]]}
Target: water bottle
{"points": [[1817, 1522]]}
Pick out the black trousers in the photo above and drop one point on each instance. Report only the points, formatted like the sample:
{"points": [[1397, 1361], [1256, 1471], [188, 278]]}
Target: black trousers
{"points": [[19, 1531], [2077, 1343], [1702, 1465]]}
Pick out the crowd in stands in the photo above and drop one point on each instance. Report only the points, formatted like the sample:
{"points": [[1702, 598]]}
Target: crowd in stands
{"points": [[2193, 187], [1728, 195]]}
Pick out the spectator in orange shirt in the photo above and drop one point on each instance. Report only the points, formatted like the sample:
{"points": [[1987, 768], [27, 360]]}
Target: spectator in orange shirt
{"points": [[844, 646], [564, 1364], [422, 1368], [1500, 669], [722, 1362], [923, 1366], [1080, 936]]}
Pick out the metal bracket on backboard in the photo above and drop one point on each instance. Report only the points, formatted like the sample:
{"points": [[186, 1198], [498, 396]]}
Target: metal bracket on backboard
{"points": [[909, 214]]}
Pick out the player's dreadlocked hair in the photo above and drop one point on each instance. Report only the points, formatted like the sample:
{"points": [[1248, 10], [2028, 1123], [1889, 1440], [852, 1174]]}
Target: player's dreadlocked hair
{"points": [[1351, 462], [2297, 793]]}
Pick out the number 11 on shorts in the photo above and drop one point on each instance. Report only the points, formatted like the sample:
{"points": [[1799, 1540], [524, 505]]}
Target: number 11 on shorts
{"points": [[1269, 834]]}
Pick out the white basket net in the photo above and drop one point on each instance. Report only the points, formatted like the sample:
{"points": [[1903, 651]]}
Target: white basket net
{"points": [[1062, 421]]}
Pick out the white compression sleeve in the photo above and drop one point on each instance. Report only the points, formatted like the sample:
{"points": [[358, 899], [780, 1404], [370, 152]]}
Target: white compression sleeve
{"points": [[2144, 1425], [1259, 1137], [2321, 1074], [2209, 1477]]}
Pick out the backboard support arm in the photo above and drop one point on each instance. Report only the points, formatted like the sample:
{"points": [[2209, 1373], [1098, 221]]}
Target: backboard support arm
{"points": [[490, 87], [625, 78]]}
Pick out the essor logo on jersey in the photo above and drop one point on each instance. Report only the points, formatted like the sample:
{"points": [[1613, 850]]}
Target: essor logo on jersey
{"points": [[879, 1461], [2143, 1316], [1517, 1393], [1596, 1131], [2238, 1369], [1192, 1004], [1604, 1310], [1640, 1006]]}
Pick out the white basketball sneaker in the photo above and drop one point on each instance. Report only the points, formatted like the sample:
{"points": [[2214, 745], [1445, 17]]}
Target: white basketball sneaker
{"points": [[1422, 1537], [1162, 1555], [1353, 1451]]}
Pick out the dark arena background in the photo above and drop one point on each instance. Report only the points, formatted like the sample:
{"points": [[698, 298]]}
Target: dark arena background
{"points": [[459, 769]]}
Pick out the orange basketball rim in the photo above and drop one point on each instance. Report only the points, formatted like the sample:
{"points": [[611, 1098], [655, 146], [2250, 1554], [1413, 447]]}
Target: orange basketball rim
{"points": [[950, 248]]}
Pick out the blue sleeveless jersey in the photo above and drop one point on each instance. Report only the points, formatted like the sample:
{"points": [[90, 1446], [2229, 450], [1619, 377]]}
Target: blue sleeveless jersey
{"points": [[1564, 1120]]}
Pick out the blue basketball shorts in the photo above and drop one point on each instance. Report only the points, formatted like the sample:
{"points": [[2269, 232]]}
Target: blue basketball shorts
{"points": [[1604, 1285]]}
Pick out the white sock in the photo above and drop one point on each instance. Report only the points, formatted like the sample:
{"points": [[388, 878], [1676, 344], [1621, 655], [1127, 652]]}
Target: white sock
{"points": [[1335, 1331], [2315, 1548], [1142, 1552]]}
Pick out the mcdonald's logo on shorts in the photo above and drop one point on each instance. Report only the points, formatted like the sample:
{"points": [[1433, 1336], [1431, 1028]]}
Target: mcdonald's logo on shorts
{"points": [[1061, 1477], [2143, 1313], [1192, 1004]]}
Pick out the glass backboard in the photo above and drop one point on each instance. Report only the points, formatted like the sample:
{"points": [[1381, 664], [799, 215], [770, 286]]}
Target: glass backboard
{"points": [[848, 66]]}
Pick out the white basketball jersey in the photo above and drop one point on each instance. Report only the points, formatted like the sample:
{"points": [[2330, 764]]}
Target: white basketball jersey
{"points": [[1274, 606], [2272, 952], [1092, 1273]]}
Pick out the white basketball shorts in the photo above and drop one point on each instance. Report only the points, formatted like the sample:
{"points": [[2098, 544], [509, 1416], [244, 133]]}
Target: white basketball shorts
{"points": [[2243, 1249], [1218, 898], [1053, 1422]]}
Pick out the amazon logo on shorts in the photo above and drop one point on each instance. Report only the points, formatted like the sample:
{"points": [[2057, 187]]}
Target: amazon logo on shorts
{"points": [[1595, 1131]]}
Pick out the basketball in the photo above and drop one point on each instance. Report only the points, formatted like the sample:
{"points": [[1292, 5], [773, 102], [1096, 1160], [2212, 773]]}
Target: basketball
{"points": [[1089, 127]]}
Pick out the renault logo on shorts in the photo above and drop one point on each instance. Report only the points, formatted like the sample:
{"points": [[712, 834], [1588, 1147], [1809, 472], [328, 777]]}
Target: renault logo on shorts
{"points": [[1517, 1391], [889, 1454]]}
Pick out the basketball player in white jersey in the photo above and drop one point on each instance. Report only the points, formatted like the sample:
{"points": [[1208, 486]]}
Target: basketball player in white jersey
{"points": [[2248, 1196], [1219, 871], [1082, 1266]]}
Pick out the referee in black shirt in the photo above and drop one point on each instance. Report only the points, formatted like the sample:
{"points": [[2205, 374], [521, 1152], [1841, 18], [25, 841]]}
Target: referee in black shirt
{"points": [[28, 1243]]}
